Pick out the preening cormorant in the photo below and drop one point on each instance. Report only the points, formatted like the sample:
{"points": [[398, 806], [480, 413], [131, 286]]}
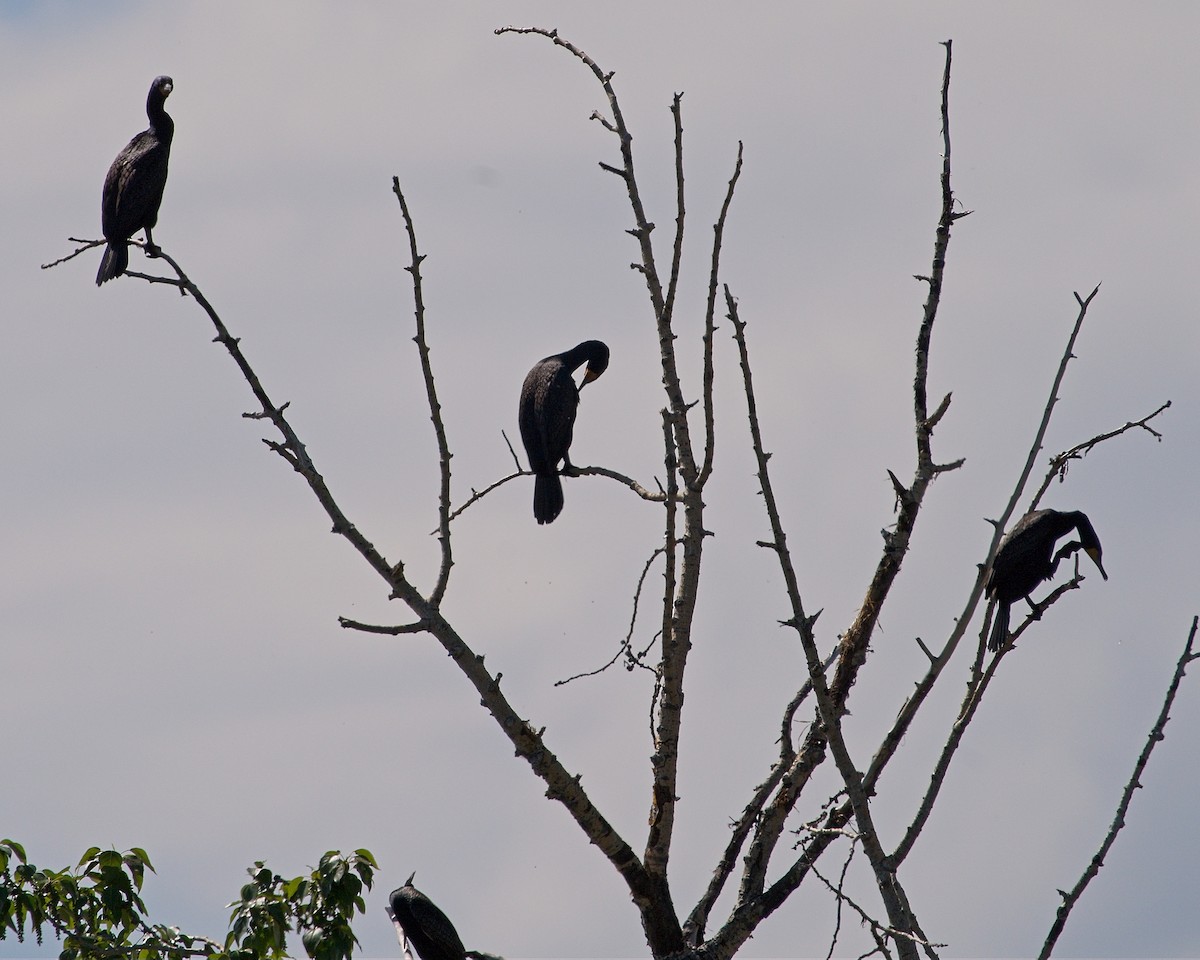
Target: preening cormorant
{"points": [[426, 928], [133, 189], [549, 399], [1026, 557]]}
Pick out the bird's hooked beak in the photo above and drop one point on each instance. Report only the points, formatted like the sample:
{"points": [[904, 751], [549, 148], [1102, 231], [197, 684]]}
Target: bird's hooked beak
{"points": [[588, 376], [1094, 553]]}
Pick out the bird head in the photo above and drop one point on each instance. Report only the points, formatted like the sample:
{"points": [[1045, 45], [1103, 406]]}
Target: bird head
{"points": [[164, 85], [1088, 540], [597, 360]]}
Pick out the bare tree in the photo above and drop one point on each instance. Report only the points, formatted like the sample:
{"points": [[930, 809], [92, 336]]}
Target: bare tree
{"points": [[786, 828]]}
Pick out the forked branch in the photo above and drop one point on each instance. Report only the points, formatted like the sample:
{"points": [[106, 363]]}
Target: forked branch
{"points": [[903, 925], [528, 742]]}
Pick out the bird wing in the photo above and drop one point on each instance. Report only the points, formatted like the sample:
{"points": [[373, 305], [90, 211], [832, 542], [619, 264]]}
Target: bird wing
{"points": [[133, 188], [436, 927], [559, 406]]}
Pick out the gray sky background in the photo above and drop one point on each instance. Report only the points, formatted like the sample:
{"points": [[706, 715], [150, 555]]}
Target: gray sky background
{"points": [[174, 676]]}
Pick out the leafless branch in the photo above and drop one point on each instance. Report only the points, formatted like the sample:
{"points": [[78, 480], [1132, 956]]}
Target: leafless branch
{"points": [[529, 743], [682, 573], [976, 687], [632, 659], [1036, 447], [755, 901], [697, 920], [641, 491], [632, 484], [86, 245], [840, 897], [710, 322], [419, 627], [477, 495], [435, 408], [938, 662], [828, 708], [1157, 734], [1060, 463], [680, 209]]}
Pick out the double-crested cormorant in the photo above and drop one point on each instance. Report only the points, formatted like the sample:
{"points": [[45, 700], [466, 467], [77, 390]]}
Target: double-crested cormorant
{"points": [[549, 398], [426, 928], [133, 189], [1026, 557]]}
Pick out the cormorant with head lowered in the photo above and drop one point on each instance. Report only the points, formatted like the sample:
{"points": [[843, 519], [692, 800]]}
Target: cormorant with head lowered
{"points": [[133, 189], [549, 399], [1026, 557], [423, 925]]}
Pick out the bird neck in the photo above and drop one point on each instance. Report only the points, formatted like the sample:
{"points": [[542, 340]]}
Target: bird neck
{"points": [[160, 121]]}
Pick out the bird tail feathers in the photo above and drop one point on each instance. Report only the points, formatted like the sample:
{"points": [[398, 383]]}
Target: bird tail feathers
{"points": [[999, 627], [547, 497], [114, 262]]}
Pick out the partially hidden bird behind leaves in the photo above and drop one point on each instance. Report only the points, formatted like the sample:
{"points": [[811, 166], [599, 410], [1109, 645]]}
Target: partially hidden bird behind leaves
{"points": [[419, 921]]}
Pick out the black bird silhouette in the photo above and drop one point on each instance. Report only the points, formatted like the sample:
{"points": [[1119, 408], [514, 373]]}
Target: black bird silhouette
{"points": [[423, 925], [133, 189], [1026, 558], [549, 399]]}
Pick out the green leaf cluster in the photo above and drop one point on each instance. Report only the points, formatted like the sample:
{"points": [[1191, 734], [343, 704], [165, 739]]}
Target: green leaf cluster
{"points": [[320, 906], [95, 909]]}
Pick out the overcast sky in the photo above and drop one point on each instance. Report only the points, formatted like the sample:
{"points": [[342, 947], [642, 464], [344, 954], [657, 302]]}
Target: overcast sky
{"points": [[174, 676]]}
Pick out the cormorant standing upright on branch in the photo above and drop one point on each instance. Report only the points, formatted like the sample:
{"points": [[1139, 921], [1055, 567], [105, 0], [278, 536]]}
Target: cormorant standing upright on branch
{"points": [[1026, 558], [549, 398], [133, 189], [424, 926]]}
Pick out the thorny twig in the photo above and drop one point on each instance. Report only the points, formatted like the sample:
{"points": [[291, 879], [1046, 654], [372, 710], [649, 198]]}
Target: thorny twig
{"points": [[1060, 463], [1157, 733], [632, 659], [86, 245], [435, 408]]}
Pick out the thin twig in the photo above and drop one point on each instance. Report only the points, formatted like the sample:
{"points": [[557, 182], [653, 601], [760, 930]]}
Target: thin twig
{"points": [[421, 626], [976, 688], [1036, 447], [641, 491], [710, 322], [1060, 463], [680, 209], [697, 921], [840, 898], [86, 246], [435, 408], [477, 495], [632, 660]]}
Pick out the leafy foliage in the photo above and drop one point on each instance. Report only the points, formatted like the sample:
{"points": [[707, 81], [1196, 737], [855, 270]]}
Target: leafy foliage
{"points": [[321, 906], [96, 908]]}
